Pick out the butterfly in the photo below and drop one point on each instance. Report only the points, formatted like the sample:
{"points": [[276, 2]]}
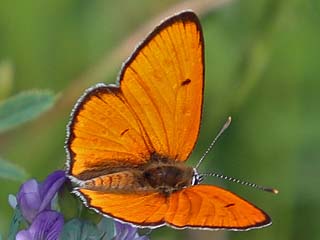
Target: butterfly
{"points": [[127, 143]]}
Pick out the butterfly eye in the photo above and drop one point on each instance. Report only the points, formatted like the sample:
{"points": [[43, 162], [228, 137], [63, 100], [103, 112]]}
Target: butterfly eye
{"points": [[196, 177]]}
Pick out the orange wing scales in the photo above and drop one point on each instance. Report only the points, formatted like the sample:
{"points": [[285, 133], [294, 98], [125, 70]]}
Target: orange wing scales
{"points": [[174, 54], [103, 134], [207, 206], [142, 209], [200, 206]]}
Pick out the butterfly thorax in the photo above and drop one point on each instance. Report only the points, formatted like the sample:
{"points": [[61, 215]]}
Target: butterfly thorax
{"points": [[156, 177], [167, 178]]}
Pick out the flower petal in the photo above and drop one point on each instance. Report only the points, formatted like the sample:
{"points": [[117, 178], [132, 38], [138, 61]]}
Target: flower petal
{"points": [[47, 225], [127, 232], [50, 187], [12, 201], [29, 199], [24, 235]]}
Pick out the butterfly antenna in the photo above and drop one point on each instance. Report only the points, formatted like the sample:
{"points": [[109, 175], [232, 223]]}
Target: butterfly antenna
{"points": [[225, 126], [231, 179]]}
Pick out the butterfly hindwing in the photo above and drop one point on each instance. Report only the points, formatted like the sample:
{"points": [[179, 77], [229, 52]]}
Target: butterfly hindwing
{"points": [[200, 206], [211, 207], [141, 209]]}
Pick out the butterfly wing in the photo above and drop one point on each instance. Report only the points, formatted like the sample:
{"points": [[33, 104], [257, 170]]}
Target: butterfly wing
{"points": [[163, 83], [142, 209], [104, 134], [211, 207], [200, 206], [156, 108]]}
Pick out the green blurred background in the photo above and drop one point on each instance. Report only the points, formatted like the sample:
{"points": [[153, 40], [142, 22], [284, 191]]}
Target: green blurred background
{"points": [[262, 68]]}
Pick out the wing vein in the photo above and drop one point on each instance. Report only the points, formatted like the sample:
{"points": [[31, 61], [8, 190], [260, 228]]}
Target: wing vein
{"points": [[163, 100], [138, 77], [120, 114]]}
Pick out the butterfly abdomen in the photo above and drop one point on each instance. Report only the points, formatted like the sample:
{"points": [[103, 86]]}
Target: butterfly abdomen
{"points": [[120, 181]]}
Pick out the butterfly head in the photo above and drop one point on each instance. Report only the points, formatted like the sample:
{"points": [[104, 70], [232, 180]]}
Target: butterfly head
{"points": [[196, 178]]}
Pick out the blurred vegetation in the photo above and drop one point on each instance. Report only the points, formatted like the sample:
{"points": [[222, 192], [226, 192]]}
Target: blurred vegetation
{"points": [[262, 68]]}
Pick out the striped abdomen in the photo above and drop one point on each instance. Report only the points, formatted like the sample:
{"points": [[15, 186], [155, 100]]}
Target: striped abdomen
{"points": [[120, 181]]}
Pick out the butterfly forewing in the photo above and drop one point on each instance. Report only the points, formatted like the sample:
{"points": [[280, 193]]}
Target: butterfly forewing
{"points": [[163, 83], [104, 134], [156, 108]]}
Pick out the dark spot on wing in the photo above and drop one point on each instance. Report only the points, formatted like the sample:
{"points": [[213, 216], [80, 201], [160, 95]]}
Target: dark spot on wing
{"points": [[186, 82], [229, 205], [124, 131]]}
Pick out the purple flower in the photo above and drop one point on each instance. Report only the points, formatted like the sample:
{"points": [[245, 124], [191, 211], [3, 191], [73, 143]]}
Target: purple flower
{"points": [[46, 226], [34, 197], [127, 232]]}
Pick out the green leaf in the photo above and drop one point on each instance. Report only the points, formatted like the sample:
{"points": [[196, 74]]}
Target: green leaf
{"points": [[106, 225], [76, 229], [15, 223], [11, 171], [24, 107]]}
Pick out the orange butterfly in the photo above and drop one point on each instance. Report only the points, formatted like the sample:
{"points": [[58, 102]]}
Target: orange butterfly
{"points": [[127, 144]]}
